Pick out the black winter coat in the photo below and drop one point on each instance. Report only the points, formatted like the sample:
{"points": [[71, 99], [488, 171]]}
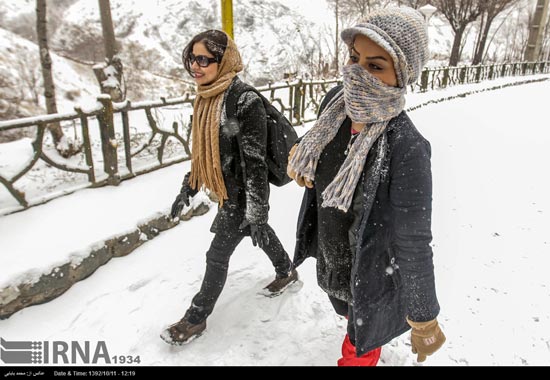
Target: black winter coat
{"points": [[248, 200], [392, 274]]}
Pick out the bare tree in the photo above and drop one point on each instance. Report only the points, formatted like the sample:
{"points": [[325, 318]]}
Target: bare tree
{"points": [[63, 146], [355, 10], [459, 13], [346, 13], [515, 30], [326, 54], [30, 76], [491, 9], [360, 8], [413, 3]]}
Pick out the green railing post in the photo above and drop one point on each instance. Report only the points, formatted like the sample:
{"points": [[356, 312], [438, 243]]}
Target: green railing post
{"points": [[108, 140], [445, 77], [462, 75], [424, 80], [297, 106], [87, 144], [478, 73]]}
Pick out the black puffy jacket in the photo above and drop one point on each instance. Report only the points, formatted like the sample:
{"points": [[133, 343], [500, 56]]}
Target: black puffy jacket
{"points": [[248, 200], [392, 273]]}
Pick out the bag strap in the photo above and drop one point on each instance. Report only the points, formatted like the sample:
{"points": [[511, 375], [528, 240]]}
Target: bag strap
{"points": [[231, 101]]}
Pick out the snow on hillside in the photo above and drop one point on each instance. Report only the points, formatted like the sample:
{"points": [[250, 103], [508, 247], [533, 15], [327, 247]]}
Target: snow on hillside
{"points": [[163, 28], [13, 8], [75, 82], [21, 76]]}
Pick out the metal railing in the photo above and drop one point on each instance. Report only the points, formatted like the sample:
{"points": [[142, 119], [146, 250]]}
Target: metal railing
{"points": [[113, 149], [123, 140], [442, 77]]}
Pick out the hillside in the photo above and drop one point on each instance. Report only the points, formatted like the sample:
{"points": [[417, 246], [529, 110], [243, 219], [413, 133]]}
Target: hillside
{"points": [[20, 76], [152, 37]]}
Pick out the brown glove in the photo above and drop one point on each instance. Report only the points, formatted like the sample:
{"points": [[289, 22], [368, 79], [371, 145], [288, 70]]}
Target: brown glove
{"points": [[426, 338], [301, 181]]}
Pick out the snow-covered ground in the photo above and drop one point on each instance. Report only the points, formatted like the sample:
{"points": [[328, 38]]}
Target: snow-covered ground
{"points": [[491, 246]]}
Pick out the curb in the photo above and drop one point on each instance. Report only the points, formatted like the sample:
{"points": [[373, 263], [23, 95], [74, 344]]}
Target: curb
{"points": [[51, 285]]}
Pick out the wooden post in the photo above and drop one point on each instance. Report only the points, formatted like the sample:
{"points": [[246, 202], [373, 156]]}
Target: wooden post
{"points": [[108, 140]]}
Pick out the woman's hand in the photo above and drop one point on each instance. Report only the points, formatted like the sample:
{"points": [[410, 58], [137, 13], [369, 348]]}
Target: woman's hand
{"points": [[301, 181], [426, 338]]}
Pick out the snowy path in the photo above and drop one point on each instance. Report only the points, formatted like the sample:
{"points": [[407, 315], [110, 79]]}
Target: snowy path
{"points": [[491, 245]]}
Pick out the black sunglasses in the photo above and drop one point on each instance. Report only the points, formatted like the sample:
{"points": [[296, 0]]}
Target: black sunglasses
{"points": [[202, 60]]}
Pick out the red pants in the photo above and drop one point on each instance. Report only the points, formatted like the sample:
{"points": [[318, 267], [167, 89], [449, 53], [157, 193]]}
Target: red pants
{"points": [[349, 358]]}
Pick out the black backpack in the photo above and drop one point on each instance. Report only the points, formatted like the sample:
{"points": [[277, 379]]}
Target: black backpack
{"points": [[281, 135]]}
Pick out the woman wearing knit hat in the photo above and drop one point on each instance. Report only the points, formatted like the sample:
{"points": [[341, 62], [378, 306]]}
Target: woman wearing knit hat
{"points": [[213, 60], [366, 212]]}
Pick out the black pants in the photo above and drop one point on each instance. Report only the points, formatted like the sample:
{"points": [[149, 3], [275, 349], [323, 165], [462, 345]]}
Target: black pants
{"points": [[217, 262], [342, 308]]}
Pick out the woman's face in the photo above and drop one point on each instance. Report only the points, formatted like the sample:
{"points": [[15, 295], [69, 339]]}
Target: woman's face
{"points": [[203, 75], [373, 58]]}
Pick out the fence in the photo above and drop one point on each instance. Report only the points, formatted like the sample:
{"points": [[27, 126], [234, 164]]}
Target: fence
{"points": [[442, 77], [157, 134]]}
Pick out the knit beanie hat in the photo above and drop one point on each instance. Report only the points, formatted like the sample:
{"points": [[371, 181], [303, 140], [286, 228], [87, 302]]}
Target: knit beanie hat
{"points": [[402, 33]]}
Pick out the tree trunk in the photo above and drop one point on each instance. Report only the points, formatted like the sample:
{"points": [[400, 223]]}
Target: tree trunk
{"points": [[46, 63], [455, 51], [477, 56], [64, 148], [109, 42], [109, 75], [480, 48]]}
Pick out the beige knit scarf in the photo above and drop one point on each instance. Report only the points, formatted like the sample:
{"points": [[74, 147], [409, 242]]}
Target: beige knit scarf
{"points": [[365, 99], [206, 170]]}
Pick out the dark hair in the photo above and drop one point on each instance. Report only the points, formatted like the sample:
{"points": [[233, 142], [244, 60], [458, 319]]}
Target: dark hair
{"points": [[215, 42]]}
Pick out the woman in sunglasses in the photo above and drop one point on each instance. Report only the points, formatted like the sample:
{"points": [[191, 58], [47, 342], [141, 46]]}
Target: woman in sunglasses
{"points": [[213, 60], [366, 212]]}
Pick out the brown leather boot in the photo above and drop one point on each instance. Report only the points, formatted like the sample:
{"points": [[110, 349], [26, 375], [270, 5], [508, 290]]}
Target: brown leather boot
{"points": [[279, 285], [183, 332]]}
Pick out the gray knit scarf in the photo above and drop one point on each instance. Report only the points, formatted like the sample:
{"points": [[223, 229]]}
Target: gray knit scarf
{"points": [[365, 99]]}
